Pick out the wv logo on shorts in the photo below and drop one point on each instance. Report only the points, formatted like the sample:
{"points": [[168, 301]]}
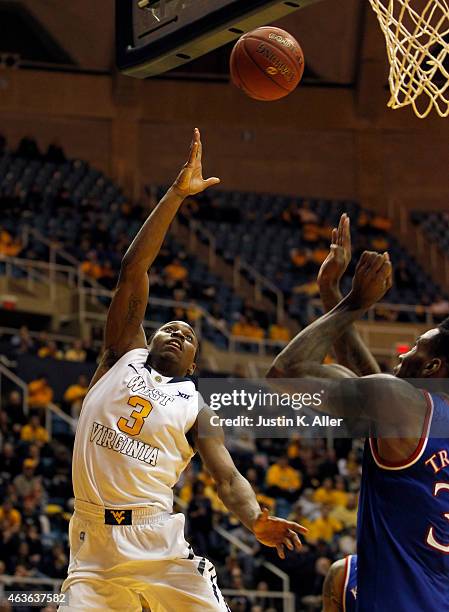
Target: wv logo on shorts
{"points": [[117, 517]]}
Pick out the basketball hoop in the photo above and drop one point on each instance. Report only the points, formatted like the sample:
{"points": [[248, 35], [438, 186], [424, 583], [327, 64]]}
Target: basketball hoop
{"points": [[417, 41]]}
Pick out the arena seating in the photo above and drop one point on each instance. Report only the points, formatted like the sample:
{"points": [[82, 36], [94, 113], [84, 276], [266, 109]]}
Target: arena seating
{"points": [[268, 231], [435, 226], [76, 206]]}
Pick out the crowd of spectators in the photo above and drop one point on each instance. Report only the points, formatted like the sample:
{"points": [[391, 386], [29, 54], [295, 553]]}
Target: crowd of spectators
{"points": [[305, 481], [35, 494]]}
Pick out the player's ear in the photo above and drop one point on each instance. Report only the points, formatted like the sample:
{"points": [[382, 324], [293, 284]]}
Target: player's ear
{"points": [[432, 367], [192, 369]]}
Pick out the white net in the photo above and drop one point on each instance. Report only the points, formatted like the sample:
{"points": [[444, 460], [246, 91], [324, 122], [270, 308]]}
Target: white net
{"points": [[417, 39]]}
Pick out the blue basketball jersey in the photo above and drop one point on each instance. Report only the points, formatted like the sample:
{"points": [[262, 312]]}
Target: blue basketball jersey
{"points": [[403, 524], [350, 585]]}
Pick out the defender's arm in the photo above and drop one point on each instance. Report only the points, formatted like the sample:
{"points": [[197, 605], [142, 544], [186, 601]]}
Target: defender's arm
{"points": [[350, 349]]}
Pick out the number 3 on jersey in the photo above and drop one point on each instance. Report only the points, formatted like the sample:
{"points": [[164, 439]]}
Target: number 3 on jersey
{"points": [[139, 416], [431, 539]]}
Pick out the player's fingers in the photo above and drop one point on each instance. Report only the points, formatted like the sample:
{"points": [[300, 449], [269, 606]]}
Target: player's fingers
{"points": [[288, 544], [334, 235], [340, 228], [199, 152], [386, 271], [214, 180], [192, 154], [347, 234], [296, 527], [378, 263], [296, 541], [280, 550], [363, 260]]}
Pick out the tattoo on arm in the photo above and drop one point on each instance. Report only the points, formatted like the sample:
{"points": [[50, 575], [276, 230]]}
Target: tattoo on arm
{"points": [[133, 305]]}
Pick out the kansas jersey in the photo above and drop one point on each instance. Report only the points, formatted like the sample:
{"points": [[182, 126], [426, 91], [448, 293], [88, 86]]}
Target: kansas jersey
{"points": [[349, 598], [403, 524], [130, 444]]}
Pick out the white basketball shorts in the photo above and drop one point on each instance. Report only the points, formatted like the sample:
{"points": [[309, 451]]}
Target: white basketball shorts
{"points": [[127, 567]]}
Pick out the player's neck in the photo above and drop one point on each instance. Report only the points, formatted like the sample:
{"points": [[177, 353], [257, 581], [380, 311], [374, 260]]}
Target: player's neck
{"points": [[165, 367]]}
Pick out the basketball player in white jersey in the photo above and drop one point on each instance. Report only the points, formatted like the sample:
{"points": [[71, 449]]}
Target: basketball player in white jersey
{"points": [[137, 431]]}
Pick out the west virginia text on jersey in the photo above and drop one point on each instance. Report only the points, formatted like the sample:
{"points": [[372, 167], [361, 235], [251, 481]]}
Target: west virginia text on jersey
{"points": [[131, 436]]}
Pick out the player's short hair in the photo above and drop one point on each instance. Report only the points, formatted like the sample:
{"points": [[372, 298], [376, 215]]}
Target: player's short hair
{"points": [[440, 346]]}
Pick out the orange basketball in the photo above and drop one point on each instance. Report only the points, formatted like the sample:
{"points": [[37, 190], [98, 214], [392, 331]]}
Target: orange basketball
{"points": [[267, 63]]}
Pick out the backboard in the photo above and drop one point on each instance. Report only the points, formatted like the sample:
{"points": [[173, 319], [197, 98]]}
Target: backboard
{"points": [[154, 36]]}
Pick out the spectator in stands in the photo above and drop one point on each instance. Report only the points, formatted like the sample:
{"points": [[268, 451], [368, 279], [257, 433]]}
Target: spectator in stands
{"points": [[91, 266], [76, 352], [40, 394], [349, 466], [9, 246], [175, 271], [14, 410], [247, 329], [75, 394], [385, 314], [9, 462], [279, 332], [55, 563], [328, 467], [50, 350], [324, 527], [200, 519], [283, 483], [319, 254], [217, 315], [28, 149], [346, 514], [25, 484], [325, 493], [34, 432], [55, 153], [299, 257], [307, 507], [402, 277], [108, 275], [22, 341], [439, 308], [10, 519]]}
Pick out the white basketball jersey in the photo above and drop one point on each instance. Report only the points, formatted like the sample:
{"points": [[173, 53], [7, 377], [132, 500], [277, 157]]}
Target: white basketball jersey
{"points": [[130, 444]]}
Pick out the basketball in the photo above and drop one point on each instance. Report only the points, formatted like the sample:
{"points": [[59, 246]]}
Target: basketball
{"points": [[267, 63]]}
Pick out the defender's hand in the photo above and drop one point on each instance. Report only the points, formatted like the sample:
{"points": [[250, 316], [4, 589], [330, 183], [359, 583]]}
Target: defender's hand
{"points": [[190, 179], [336, 263], [372, 279], [277, 533]]}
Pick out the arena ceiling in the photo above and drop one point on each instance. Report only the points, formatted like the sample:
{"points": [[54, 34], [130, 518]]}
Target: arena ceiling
{"points": [[338, 36]]}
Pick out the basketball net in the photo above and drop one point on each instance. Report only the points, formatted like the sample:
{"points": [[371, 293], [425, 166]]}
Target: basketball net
{"points": [[418, 51]]}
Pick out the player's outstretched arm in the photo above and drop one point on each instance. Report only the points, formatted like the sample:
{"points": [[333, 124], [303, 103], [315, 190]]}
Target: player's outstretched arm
{"points": [[127, 310], [393, 406], [235, 491], [308, 349], [350, 349]]}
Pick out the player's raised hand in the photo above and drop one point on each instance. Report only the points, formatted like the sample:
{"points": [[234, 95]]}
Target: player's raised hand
{"points": [[190, 179], [336, 263], [372, 279], [277, 533]]}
